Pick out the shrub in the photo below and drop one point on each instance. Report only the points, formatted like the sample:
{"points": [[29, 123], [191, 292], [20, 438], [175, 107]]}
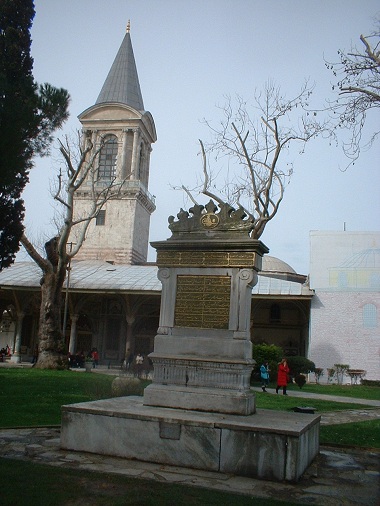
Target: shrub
{"points": [[300, 365], [371, 383], [123, 386], [300, 379]]}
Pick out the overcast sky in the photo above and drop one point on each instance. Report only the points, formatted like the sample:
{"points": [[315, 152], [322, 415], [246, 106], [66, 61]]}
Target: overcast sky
{"points": [[189, 55]]}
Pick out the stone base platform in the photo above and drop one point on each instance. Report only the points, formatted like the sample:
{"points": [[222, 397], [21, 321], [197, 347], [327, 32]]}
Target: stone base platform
{"points": [[267, 445]]}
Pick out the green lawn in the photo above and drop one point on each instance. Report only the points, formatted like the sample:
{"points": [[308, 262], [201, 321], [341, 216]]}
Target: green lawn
{"points": [[33, 397], [361, 434], [358, 391], [33, 484]]}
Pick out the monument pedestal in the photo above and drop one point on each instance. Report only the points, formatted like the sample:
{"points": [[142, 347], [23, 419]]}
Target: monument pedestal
{"points": [[267, 445], [199, 411]]}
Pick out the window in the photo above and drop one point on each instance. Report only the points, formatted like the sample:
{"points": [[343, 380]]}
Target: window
{"points": [[101, 218], [369, 316], [342, 279], [275, 313], [107, 159]]}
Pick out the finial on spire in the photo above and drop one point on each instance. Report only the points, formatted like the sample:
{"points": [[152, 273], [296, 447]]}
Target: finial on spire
{"points": [[129, 26]]}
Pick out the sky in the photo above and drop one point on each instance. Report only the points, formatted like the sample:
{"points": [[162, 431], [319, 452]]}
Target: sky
{"points": [[190, 54]]}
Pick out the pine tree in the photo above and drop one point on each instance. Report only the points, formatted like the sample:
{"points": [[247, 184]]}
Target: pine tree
{"points": [[29, 114]]}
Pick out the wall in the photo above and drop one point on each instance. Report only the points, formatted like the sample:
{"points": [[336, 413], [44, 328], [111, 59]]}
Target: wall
{"points": [[344, 320]]}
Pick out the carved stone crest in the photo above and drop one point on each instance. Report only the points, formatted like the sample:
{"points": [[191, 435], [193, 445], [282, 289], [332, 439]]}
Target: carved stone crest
{"points": [[202, 219]]}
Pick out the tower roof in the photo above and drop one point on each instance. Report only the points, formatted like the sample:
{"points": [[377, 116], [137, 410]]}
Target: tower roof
{"points": [[122, 83]]}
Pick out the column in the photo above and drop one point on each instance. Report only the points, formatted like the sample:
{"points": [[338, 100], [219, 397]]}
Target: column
{"points": [[135, 161], [123, 171], [147, 163], [73, 334], [16, 355], [129, 345]]}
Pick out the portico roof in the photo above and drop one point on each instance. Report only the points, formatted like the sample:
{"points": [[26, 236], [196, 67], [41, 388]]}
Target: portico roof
{"points": [[97, 276]]}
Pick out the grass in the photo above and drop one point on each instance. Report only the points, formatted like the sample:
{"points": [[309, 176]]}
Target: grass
{"points": [[358, 391], [39, 484], [285, 403], [32, 397], [362, 434]]}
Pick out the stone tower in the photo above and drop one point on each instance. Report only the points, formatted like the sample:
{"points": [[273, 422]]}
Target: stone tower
{"points": [[123, 132]]}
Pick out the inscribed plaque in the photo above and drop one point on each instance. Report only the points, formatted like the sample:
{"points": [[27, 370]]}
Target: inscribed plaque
{"points": [[203, 302]]}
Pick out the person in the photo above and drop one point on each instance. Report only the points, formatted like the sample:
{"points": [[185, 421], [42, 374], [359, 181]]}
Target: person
{"points": [[80, 359], [282, 376], [95, 358], [264, 373], [139, 364]]}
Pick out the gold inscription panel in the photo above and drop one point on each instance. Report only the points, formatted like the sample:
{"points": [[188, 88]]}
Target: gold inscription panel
{"points": [[203, 302], [206, 258]]}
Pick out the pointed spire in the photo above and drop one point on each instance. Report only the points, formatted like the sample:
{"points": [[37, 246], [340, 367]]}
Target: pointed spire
{"points": [[122, 83]]}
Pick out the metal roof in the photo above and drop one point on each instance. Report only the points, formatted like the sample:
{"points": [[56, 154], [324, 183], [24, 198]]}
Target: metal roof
{"points": [[280, 287], [91, 275], [122, 83], [88, 276]]}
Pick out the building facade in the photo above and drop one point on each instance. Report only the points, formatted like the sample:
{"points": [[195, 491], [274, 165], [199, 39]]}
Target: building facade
{"points": [[344, 319]]}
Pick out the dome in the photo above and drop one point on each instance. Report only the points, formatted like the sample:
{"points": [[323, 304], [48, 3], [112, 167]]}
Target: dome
{"points": [[273, 264]]}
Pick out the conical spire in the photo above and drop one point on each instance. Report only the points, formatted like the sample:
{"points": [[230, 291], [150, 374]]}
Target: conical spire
{"points": [[122, 83]]}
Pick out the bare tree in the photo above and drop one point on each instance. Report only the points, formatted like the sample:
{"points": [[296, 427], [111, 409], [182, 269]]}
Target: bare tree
{"points": [[80, 169], [357, 75], [254, 146]]}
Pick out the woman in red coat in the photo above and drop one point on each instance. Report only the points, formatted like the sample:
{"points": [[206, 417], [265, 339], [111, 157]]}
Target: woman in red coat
{"points": [[282, 376]]}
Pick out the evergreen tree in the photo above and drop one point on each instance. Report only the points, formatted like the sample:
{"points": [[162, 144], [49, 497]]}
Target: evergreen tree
{"points": [[29, 114]]}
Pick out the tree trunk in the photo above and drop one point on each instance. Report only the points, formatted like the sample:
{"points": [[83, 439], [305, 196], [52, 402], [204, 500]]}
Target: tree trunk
{"points": [[51, 349]]}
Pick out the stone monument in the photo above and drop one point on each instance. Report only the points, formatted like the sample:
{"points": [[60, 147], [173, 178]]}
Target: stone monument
{"points": [[202, 352], [199, 411]]}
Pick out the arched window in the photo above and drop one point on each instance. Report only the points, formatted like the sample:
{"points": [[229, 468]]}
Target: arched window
{"points": [[107, 159], [369, 316]]}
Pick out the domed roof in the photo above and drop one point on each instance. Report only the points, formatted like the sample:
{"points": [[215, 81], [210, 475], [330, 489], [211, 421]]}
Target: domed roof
{"points": [[273, 264]]}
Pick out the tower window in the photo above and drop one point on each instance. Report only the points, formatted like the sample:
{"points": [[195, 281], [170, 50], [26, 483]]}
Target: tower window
{"points": [[101, 217], [107, 159]]}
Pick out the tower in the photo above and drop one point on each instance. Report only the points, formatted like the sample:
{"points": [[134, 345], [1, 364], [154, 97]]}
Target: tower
{"points": [[122, 132]]}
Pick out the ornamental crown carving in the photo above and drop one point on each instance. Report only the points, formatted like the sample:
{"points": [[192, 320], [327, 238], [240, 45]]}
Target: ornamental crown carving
{"points": [[205, 219]]}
